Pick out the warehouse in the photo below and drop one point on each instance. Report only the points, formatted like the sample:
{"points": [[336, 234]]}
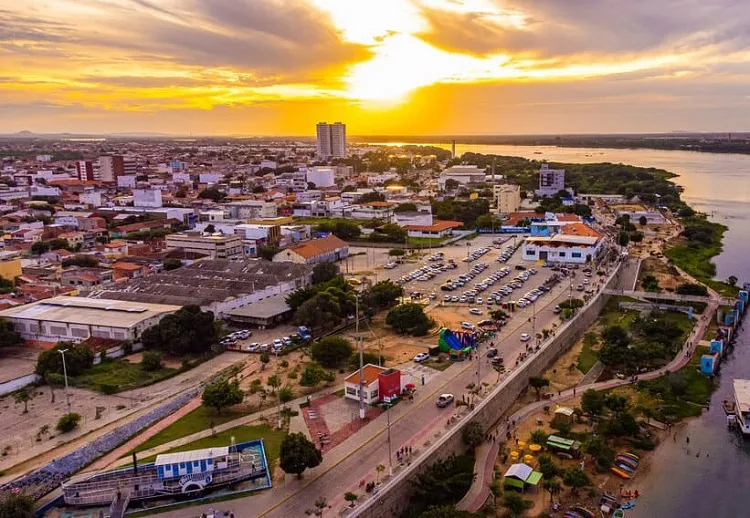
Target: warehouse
{"points": [[76, 319]]}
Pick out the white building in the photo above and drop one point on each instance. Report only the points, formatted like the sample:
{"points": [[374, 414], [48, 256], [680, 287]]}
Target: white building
{"points": [[575, 243], [44, 158], [463, 174], [215, 246], [251, 209], [181, 177], [507, 198], [321, 176], [551, 181], [210, 178], [295, 182], [380, 179], [126, 181], [311, 195], [77, 319], [147, 198], [331, 140], [92, 198]]}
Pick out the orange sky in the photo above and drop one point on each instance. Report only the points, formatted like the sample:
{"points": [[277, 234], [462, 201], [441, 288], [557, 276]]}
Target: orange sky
{"points": [[383, 66]]}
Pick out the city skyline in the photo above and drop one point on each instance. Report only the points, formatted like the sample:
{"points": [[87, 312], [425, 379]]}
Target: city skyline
{"points": [[385, 67]]}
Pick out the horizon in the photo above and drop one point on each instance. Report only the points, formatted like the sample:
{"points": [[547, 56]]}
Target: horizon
{"points": [[383, 67]]}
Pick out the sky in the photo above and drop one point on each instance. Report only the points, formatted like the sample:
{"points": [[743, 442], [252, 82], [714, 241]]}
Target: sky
{"points": [[398, 67]]}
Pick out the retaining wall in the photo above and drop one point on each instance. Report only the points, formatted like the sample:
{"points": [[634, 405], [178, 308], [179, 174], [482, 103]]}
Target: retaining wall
{"points": [[393, 499]]}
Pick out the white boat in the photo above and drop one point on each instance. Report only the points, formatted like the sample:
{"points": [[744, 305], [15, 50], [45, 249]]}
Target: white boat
{"points": [[742, 405]]}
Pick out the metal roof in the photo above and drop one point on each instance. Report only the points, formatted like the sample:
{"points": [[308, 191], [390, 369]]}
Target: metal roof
{"points": [[742, 394], [519, 471], [191, 456], [266, 308]]}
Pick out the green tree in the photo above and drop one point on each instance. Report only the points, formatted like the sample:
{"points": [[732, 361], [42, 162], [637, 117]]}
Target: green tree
{"points": [[268, 251], [650, 283], [346, 230], [574, 478], [332, 351], [297, 454], [592, 402], [643, 221], [397, 252], [210, 228], [473, 435], [8, 335], [222, 394], [538, 436], [171, 264], [383, 294], [211, 194], [16, 505], [444, 482], [321, 311], [547, 467], [68, 422], [84, 261], [23, 396], [692, 289], [324, 272], [409, 318], [451, 184], [286, 394], [515, 504], [732, 280], [538, 383], [636, 237], [371, 196], [39, 247], [351, 498], [151, 361], [615, 402], [187, 331], [405, 207], [78, 359], [623, 238], [274, 382], [616, 335], [553, 488]]}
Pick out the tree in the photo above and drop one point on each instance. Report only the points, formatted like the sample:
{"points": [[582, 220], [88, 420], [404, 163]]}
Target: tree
{"points": [[68, 422], [171, 264], [151, 361], [371, 196], [615, 402], [409, 318], [84, 261], [592, 402], [574, 478], [297, 454], [692, 289], [332, 351], [444, 482], [451, 184], [643, 221], [211, 194], [732, 280], [538, 383], [53, 380], [324, 272], [314, 374], [222, 394], [351, 498], [623, 238], [274, 382], [23, 396], [346, 230], [636, 237], [650, 283], [265, 358], [547, 467], [267, 252], [405, 207], [16, 505], [397, 252], [473, 435], [286, 394], [538, 436], [498, 314], [210, 228], [553, 487], [383, 294], [8, 335], [78, 359], [515, 504], [40, 247], [187, 331], [616, 335], [323, 310]]}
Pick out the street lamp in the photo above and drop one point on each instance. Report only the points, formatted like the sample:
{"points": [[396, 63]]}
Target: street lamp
{"points": [[387, 402], [65, 374], [278, 389], [361, 360]]}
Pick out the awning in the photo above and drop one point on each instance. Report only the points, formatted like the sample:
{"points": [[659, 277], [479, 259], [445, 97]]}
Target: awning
{"points": [[513, 482], [534, 478]]}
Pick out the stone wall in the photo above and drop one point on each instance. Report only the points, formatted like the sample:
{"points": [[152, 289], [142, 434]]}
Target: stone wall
{"points": [[393, 498]]}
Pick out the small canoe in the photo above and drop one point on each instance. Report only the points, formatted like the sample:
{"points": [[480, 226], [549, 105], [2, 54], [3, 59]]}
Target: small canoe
{"points": [[629, 458], [627, 461], [632, 455], [583, 512], [620, 473], [627, 506], [624, 467], [619, 513]]}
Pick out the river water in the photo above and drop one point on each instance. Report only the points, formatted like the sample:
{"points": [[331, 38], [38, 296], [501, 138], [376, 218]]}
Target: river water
{"points": [[678, 484]]}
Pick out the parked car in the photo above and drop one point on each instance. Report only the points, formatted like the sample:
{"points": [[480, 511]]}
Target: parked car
{"points": [[491, 353], [467, 325], [421, 357], [525, 337], [253, 347], [444, 400], [475, 311]]}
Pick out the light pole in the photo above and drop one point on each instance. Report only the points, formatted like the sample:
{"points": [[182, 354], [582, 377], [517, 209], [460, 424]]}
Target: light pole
{"points": [[361, 361], [65, 374], [278, 389], [390, 454]]}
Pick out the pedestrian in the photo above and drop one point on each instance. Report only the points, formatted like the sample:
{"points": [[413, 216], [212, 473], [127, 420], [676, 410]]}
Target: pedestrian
{"points": [[675, 437], [574, 391], [687, 439], [516, 441], [409, 450]]}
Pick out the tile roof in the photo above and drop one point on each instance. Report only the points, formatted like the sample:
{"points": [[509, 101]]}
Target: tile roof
{"points": [[437, 226], [318, 247], [371, 373], [579, 229]]}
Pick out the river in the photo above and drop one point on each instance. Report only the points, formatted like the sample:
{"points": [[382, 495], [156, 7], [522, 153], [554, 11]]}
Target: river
{"points": [[677, 483]]}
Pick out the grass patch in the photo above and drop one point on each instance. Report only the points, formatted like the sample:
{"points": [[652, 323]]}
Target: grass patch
{"points": [[613, 315], [438, 366], [113, 376], [338, 393], [199, 419], [425, 241], [588, 356], [271, 440]]}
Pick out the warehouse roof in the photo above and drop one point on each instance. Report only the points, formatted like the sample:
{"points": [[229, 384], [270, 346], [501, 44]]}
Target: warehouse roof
{"points": [[81, 310], [266, 308]]}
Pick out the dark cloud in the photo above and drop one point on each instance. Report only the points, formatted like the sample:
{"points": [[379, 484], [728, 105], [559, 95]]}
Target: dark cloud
{"points": [[559, 28]]}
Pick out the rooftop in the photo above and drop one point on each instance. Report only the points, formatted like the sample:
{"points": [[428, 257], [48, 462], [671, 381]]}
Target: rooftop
{"points": [[318, 247], [437, 226], [81, 310], [191, 456], [266, 308], [742, 394], [371, 373]]}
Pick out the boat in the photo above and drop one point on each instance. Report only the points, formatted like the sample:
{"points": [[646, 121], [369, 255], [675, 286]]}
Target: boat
{"points": [[742, 405], [619, 513], [620, 473], [583, 512], [631, 455], [624, 467], [180, 474], [627, 461]]}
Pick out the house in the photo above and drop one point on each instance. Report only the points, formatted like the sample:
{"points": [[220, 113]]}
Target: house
{"points": [[55, 256], [567, 243], [86, 278], [378, 383], [461, 174], [123, 270], [438, 229], [326, 249]]}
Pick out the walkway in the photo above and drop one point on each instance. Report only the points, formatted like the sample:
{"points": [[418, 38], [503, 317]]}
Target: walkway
{"points": [[658, 296], [484, 467]]}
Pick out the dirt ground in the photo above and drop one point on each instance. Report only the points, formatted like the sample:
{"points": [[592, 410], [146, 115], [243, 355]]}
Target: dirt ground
{"points": [[668, 281], [377, 337]]}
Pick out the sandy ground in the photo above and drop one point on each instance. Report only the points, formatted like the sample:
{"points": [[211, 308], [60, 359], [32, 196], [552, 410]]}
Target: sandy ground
{"points": [[17, 361], [668, 281]]}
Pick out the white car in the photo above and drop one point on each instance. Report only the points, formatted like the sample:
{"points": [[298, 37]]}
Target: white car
{"points": [[421, 357], [475, 311], [253, 347], [525, 337], [467, 325], [444, 400]]}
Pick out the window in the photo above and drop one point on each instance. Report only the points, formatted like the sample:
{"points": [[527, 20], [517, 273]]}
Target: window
{"points": [[561, 254], [352, 391], [577, 255], [374, 394]]}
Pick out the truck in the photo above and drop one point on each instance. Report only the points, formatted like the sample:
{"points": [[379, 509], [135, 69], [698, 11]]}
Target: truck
{"points": [[304, 333]]}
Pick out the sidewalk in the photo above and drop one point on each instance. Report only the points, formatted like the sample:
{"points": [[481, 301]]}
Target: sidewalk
{"points": [[486, 455]]}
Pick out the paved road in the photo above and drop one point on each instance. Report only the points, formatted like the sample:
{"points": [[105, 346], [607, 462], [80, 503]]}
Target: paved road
{"points": [[413, 424]]}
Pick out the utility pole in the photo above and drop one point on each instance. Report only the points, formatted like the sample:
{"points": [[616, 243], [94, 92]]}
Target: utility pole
{"points": [[65, 374], [533, 321], [278, 389], [361, 360], [390, 454]]}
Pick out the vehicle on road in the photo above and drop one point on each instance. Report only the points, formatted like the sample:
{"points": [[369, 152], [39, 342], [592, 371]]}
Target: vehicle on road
{"points": [[475, 311], [498, 360], [253, 347], [444, 400], [557, 309], [467, 325], [525, 337], [579, 287], [421, 357], [491, 353]]}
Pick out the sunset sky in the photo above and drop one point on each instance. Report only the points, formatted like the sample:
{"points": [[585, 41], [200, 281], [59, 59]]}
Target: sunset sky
{"points": [[276, 67]]}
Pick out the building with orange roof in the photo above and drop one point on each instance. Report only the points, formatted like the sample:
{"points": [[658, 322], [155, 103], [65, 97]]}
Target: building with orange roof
{"points": [[326, 249], [378, 383], [561, 241], [438, 229]]}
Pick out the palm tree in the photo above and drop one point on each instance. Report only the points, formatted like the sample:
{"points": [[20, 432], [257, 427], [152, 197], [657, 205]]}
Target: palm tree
{"points": [[23, 396], [378, 470]]}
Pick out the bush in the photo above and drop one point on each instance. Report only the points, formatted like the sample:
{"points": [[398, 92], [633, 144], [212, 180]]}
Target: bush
{"points": [[314, 374], [409, 319], [692, 289], [332, 351], [151, 361], [68, 422], [78, 359], [108, 388]]}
